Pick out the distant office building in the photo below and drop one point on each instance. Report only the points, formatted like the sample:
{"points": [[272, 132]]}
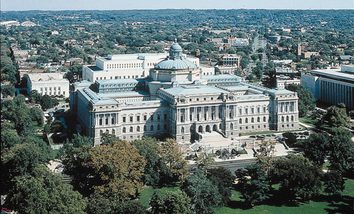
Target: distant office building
{"points": [[332, 86], [228, 63], [52, 84]]}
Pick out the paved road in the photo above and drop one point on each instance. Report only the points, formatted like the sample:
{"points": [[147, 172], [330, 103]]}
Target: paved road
{"points": [[235, 164]]}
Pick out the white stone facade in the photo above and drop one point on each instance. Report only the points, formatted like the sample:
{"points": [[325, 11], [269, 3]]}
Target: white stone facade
{"points": [[179, 101], [52, 84]]}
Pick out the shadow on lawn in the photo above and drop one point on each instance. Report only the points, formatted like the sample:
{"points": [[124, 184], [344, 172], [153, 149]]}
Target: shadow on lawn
{"points": [[344, 204]]}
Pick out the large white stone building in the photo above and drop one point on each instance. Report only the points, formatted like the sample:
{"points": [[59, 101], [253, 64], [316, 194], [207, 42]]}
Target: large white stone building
{"points": [[331, 86], [177, 100], [124, 66], [52, 84]]}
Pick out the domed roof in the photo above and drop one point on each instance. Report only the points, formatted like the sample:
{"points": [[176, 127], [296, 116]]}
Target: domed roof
{"points": [[175, 64], [176, 47], [175, 61]]}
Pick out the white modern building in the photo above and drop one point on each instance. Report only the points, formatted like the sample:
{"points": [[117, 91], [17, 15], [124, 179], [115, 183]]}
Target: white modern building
{"points": [[331, 86], [124, 66], [52, 84], [178, 101]]}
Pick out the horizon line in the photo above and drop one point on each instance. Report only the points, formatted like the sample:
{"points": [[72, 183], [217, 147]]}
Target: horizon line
{"points": [[140, 9]]}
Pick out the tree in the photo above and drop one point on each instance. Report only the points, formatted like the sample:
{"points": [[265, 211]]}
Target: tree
{"points": [[36, 115], [299, 179], [333, 182], [8, 90], [306, 101], [336, 116], [204, 161], [224, 180], [44, 192], [270, 79], [112, 203], [170, 202], [175, 167], [254, 184], [316, 148], [117, 168], [290, 138], [47, 102], [202, 191], [9, 137], [149, 149], [341, 151]]}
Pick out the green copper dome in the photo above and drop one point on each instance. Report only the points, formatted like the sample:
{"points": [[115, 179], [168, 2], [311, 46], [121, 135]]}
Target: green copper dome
{"points": [[175, 60]]}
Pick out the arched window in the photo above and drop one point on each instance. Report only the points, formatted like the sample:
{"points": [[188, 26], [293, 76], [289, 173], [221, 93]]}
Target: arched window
{"points": [[231, 126], [264, 119], [292, 118], [131, 129], [138, 129], [246, 120], [182, 130], [252, 120], [124, 130], [240, 121], [258, 119], [287, 118], [282, 118]]}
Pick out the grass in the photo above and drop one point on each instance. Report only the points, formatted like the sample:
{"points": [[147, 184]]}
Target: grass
{"points": [[322, 204], [148, 191]]}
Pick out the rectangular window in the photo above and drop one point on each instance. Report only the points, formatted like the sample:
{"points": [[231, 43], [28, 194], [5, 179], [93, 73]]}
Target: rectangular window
{"points": [[124, 119], [138, 118], [131, 119]]}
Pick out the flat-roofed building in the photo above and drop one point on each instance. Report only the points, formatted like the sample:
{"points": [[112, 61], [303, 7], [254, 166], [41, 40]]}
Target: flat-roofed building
{"points": [[332, 86], [52, 84]]}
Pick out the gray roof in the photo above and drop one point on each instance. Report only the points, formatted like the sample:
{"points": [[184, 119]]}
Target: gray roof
{"points": [[185, 90], [175, 64]]}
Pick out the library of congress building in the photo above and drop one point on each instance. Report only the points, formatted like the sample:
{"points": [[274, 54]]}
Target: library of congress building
{"points": [[178, 100]]}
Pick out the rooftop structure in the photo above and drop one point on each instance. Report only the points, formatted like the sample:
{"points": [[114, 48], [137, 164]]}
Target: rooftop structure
{"points": [[52, 84]]}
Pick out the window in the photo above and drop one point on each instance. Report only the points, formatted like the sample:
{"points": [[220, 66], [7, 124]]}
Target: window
{"points": [[131, 119], [138, 118], [113, 120], [158, 117], [152, 117], [100, 121], [252, 120], [144, 127], [246, 121], [124, 119], [240, 121], [106, 120], [145, 117], [151, 128], [158, 127], [258, 119], [124, 130], [131, 129], [182, 130], [264, 119], [138, 129]]}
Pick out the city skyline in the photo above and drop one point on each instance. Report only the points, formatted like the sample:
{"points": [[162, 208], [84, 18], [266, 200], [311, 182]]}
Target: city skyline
{"points": [[20, 5]]}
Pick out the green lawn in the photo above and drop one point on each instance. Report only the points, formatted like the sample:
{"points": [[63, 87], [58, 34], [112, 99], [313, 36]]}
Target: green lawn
{"points": [[148, 191], [322, 205]]}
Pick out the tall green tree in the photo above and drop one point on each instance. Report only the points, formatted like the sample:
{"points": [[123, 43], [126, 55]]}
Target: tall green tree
{"points": [[202, 191], [316, 148], [170, 202], [254, 184], [43, 192], [336, 116], [299, 179], [224, 180]]}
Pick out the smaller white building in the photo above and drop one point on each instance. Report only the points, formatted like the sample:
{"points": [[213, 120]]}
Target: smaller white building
{"points": [[283, 82], [52, 84]]}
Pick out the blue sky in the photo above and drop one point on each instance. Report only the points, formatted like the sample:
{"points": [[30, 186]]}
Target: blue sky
{"points": [[162, 4]]}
